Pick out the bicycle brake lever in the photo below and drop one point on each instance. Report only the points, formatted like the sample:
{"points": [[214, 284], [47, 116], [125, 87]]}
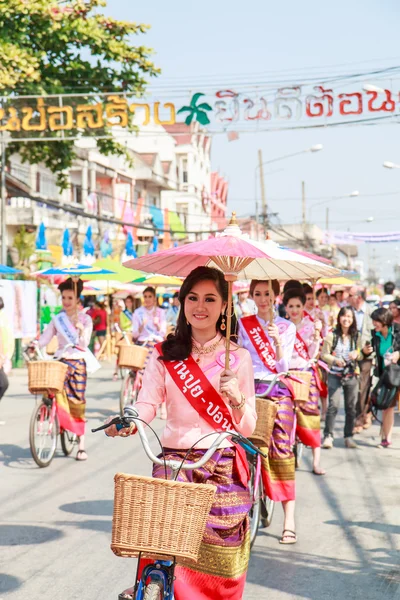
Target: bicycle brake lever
{"points": [[115, 421], [242, 441]]}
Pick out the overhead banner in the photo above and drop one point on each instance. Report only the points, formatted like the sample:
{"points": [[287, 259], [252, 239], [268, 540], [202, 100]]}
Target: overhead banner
{"points": [[221, 110], [344, 237]]}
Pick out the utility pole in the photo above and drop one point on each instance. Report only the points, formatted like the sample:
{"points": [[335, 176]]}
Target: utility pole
{"points": [[257, 227], [264, 215], [3, 204], [303, 207]]}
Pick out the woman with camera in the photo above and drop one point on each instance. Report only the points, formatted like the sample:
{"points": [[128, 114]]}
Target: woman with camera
{"points": [[341, 351], [385, 344]]}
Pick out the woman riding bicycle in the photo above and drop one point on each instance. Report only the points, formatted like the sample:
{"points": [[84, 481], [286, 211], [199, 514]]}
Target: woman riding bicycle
{"points": [[271, 347], [149, 320], [72, 328], [125, 324], [306, 348], [189, 364]]}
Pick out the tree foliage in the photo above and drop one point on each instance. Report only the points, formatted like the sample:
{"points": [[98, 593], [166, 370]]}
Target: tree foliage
{"points": [[68, 47]]}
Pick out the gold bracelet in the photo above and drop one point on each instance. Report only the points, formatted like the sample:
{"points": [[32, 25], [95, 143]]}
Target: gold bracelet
{"points": [[238, 406]]}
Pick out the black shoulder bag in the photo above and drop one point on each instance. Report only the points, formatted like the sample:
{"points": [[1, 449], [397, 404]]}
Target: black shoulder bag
{"points": [[384, 392]]}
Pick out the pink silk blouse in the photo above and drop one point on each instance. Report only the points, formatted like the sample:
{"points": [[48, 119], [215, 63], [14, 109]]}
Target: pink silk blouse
{"points": [[184, 426], [306, 331], [83, 340]]}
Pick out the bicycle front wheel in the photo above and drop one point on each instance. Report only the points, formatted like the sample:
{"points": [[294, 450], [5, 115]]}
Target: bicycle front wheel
{"points": [[154, 591], [267, 511], [298, 453], [128, 394], [255, 492], [43, 431], [68, 440]]}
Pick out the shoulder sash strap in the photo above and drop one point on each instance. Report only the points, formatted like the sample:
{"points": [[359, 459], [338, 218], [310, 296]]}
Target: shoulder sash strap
{"points": [[300, 347], [202, 395], [260, 342]]}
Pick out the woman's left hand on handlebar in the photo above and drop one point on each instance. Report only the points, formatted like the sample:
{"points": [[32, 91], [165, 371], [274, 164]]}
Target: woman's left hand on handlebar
{"points": [[229, 385], [112, 431]]}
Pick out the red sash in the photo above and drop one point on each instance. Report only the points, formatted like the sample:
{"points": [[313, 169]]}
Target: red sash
{"points": [[260, 342], [300, 347], [204, 398], [309, 316]]}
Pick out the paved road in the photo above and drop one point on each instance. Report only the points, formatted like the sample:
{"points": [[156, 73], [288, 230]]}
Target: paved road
{"points": [[55, 523]]}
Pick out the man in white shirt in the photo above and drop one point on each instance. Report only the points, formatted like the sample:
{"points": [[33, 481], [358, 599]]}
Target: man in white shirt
{"points": [[364, 326]]}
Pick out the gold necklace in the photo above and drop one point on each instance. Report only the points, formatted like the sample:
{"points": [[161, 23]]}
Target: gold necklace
{"points": [[202, 351]]}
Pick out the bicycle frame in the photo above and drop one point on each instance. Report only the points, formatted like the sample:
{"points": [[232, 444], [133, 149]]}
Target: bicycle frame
{"points": [[163, 570]]}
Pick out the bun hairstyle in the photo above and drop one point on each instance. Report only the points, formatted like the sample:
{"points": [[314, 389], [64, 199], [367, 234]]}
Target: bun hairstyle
{"points": [[178, 345], [307, 289], [292, 293], [292, 284], [276, 288], [74, 286]]}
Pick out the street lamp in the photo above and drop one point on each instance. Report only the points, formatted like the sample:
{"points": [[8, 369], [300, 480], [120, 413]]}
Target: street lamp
{"points": [[390, 165], [352, 194], [261, 163]]}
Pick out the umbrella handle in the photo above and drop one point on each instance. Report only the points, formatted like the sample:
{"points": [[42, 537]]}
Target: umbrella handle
{"points": [[271, 304], [230, 279]]}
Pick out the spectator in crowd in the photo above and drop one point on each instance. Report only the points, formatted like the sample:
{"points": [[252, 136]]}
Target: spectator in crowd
{"points": [[7, 344], [244, 306], [339, 295], [323, 301], [334, 310], [173, 312], [362, 311], [341, 351], [388, 288], [99, 318], [386, 347], [394, 308]]}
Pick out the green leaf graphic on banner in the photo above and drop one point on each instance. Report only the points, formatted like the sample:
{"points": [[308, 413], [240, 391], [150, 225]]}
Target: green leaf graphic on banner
{"points": [[196, 112]]}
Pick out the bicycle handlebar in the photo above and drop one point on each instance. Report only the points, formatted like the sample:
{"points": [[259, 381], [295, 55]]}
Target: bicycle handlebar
{"points": [[131, 415], [284, 375]]}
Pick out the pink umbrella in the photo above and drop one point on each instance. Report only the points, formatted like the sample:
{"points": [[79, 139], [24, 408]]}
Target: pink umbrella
{"points": [[237, 257]]}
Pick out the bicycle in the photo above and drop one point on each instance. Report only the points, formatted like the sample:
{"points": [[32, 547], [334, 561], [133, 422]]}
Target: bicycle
{"points": [[132, 381], [157, 580], [263, 507], [44, 427]]}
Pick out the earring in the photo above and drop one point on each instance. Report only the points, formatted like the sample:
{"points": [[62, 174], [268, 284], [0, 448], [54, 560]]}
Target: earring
{"points": [[223, 326], [187, 323]]}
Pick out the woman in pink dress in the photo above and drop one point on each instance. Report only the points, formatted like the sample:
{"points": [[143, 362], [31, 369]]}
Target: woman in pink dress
{"points": [[72, 328], [306, 348], [271, 347], [184, 370]]}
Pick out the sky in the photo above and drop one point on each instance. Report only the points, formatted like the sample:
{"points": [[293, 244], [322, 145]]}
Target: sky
{"points": [[219, 39]]}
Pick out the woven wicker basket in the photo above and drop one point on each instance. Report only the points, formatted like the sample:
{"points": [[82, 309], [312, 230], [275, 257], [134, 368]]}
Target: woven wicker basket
{"points": [[46, 375], [159, 517], [266, 414], [132, 357], [301, 390]]}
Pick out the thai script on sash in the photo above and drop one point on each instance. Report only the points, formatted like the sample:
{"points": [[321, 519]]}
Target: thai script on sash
{"points": [[265, 351], [191, 387], [300, 347]]}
